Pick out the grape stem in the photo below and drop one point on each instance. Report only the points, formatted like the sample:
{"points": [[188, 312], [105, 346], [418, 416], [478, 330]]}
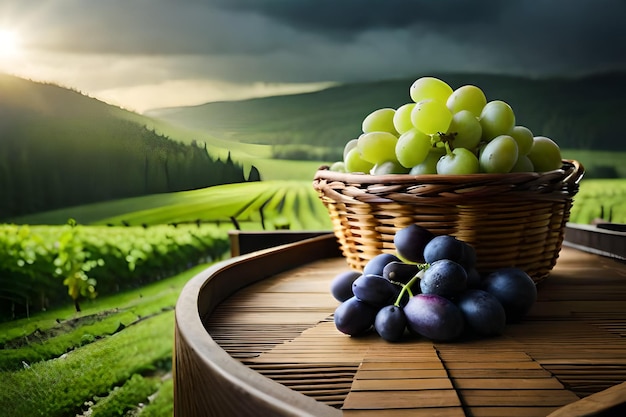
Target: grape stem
{"points": [[407, 287], [443, 140]]}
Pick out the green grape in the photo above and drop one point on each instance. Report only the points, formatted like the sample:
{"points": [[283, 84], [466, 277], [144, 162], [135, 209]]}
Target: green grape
{"points": [[430, 88], [467, 97], [377, 147], [499, 155], [380, 120], [524, 138], [354, 163], [349, 146], [338, 166], [497, 118], [431, 116], [402, 118], [429, 165], [466, 130], [412, 148], [545, 154], [389, 167], [523, 164], [458, 162]]}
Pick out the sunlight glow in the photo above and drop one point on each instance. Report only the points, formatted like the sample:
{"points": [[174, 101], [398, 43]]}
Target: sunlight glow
{"points": [[9, 43]]}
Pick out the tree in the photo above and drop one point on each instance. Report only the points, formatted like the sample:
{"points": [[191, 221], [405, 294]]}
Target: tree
{"points": [[73, 263], [254, 174]]}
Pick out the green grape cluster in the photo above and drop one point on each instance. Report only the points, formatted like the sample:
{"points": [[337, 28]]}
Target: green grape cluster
{"points": [[447, 131]]}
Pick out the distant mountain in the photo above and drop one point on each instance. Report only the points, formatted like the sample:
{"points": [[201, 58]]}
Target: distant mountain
{"points": [[60, 148], [581, 113]]}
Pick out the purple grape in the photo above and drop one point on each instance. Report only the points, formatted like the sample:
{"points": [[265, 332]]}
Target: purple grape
{"points": [[375, 290], [443, 247], [341, 285], [434, 317], [515, 290], [474, 280], [449, 247], [483, 312], [410, 242], [354, 317], [390, 323], [376, 265], [400, 271], [445, 278], [468, 259]]}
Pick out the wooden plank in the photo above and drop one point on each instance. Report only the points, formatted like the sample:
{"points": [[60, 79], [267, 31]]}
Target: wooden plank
{"points": [[401, 384], [410, 412], [512, 411], [486, 353], [517, 398], [374, 364], [493, 365], [292, 317], [371, 363], [499, 373], [401, 374], [584, 357], [381, 400], [548, 383]]}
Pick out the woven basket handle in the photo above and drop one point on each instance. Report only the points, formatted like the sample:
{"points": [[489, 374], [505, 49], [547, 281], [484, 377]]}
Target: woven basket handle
{"points": [[576, 174]]}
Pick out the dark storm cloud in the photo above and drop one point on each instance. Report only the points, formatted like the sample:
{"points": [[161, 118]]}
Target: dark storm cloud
{"points": [[577, 29], [350, 16], [334, 40]]}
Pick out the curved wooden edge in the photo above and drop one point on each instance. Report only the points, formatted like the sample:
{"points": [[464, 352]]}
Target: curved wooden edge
{"points": [[598, 240], [244, 242], [207, 380], [602, 403]]}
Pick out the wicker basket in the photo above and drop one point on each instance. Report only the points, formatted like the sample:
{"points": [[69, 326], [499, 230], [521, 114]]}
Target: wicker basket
{"points": [[515, 219]]}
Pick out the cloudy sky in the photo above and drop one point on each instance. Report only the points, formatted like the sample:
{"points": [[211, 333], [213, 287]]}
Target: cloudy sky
{"points": [[143, 54]]}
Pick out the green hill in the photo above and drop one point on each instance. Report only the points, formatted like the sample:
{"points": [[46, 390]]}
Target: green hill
{"points": [[60, 148], [579, 113]]}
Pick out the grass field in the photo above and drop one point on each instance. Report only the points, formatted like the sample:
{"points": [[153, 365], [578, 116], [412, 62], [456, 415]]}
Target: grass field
{"points": [[291, 203], [279, 204], [117, 341], [600, 199]]}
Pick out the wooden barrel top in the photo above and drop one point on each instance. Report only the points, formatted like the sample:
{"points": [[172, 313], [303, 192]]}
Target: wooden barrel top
{"points": [[255, 336]]}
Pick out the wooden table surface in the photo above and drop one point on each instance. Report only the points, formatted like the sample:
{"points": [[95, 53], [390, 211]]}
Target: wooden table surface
{"points": [[571, 345]]}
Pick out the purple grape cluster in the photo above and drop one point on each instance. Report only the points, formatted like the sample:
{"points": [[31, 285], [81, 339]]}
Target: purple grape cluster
{"points": [[431, 288]]}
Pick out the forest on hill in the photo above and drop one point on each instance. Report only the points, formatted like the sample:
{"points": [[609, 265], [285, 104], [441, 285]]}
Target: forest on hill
{"points": [[59, 148]]}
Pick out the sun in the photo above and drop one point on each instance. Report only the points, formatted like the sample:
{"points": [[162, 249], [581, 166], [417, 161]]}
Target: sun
{"points": [[9, 43]]}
